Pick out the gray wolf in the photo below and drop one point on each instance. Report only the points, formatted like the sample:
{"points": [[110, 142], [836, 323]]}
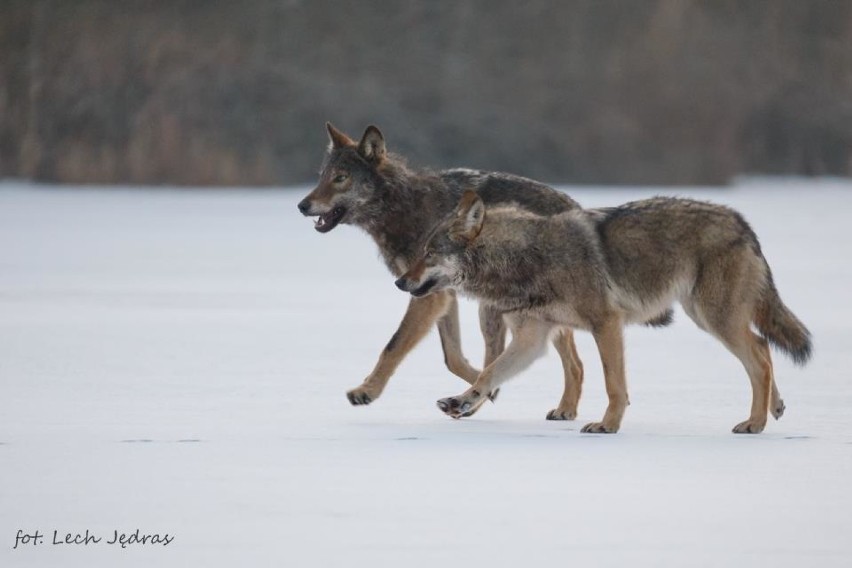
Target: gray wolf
{"points": [[599, 270], [362, 184]]}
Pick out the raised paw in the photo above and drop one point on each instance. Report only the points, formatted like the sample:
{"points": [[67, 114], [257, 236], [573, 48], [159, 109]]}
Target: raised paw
{"points": [[462, 405], [749, 427], [599, 428], [778, 410], [360, 396], [454, 407], [557, 414]]}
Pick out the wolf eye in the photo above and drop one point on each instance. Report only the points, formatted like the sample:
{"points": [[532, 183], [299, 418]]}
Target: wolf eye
{"points": [[430, 254], [341, 178]]}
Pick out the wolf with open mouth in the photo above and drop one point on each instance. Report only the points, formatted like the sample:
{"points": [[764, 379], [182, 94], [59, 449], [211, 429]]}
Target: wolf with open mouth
{"points": [[361, 184]]}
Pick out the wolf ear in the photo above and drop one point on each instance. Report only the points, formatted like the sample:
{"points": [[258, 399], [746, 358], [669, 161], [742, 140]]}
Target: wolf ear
{"points": [[372, 145], [469, 217], [337, 138]]}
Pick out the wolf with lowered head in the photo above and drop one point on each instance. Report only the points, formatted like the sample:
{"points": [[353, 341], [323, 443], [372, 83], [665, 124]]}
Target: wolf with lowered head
{"points": [[601, 269]]}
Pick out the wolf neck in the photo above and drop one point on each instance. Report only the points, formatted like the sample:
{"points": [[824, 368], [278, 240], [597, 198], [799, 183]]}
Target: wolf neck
{"points": [[404, 209]]}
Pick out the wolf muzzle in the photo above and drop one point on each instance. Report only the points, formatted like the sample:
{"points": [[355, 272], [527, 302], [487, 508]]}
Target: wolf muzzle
{"points": [[403, 284], [408, 286]]}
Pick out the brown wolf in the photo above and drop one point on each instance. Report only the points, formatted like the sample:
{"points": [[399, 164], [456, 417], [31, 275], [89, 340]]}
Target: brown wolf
{"points": [[364, 185], [601, 269]]}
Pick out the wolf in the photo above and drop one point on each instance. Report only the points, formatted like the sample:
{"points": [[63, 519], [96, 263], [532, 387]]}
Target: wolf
{"points": [[362, 184], [600, 269]]}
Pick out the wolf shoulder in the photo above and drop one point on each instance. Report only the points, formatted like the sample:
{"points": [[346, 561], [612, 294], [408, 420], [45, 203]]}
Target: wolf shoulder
{"points": [[503, 189]]}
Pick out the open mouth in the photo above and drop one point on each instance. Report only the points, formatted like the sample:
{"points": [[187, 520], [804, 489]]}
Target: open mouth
{"points": [[328, 221], [424, 288]]}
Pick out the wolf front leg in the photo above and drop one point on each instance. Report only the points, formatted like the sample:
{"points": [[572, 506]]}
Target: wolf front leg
{"points": [[609, 337], [418, 319], [494, 332], [529, 340]]}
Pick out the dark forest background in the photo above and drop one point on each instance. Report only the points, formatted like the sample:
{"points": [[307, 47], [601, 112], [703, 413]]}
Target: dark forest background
{"points": [[603, 91]]}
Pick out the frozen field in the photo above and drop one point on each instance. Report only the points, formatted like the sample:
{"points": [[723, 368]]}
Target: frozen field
{"points": [[176, 362]]}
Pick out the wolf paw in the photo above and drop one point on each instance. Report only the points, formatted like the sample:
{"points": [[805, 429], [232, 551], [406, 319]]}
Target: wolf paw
{"points": [[455, 407], [599, 428], [749, 427], [557, 414], [360, 396], [778, 410], [461, 406]]}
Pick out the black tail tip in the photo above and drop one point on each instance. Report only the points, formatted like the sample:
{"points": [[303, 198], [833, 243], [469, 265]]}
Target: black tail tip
{"points": [[802, 354]]}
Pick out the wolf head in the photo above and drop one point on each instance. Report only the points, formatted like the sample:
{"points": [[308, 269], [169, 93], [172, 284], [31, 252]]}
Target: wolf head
{"points": [[348, 178], [440, 263]]}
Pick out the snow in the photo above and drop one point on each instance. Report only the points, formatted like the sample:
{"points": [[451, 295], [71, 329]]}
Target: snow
{"points": [[176, 361]]}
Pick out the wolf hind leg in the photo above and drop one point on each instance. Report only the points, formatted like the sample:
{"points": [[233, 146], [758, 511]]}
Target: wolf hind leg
{"points": [[529, 341], [573, 371], [753, 351], [776, 403], [722, 303]]}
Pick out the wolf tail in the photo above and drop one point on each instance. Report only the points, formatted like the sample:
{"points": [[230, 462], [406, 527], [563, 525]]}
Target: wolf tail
{"points": [[781, 327]]}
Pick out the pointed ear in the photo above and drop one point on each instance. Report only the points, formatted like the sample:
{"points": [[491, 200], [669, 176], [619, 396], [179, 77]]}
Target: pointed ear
{"points": [[337, 138], [469, 217], [372, 145]]}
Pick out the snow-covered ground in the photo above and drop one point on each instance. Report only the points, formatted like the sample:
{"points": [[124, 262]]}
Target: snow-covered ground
{"points": [[176, 361]]}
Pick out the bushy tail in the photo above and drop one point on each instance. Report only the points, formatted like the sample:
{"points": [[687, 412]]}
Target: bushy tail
{"points": [[781, 327]]}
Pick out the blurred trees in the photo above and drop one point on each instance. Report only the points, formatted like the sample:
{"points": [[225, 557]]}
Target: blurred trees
{"points": [[599, 91]]}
